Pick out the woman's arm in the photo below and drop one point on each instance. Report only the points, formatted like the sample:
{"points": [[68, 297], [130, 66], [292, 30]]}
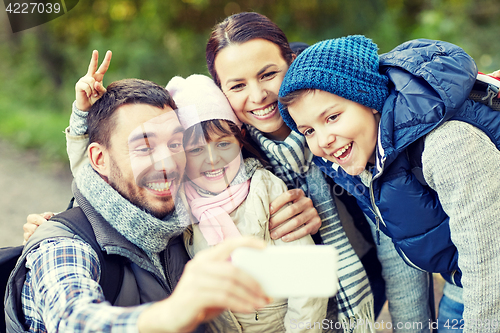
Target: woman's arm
{"points": [[301, 310], [297, 220]]}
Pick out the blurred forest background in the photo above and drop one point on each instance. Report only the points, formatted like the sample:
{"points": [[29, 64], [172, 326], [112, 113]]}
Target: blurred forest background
{"points": [[157, 39]]}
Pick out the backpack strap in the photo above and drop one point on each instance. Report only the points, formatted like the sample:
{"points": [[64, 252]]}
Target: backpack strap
{"points": [[112, 266], [73, 222], [8, 259]]}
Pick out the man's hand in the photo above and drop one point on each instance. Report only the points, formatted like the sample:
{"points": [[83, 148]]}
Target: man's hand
{"points": [[32, 222], [209, 285], [90, 88], [295, 221]]}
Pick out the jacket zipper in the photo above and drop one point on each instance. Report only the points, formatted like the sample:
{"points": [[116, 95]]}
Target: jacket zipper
{"points": [[167, 275], [378, 218], [375, 210], [408, 261]]}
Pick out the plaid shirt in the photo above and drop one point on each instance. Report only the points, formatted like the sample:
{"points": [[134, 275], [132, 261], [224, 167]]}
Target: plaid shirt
{"points": [[62, 293]]}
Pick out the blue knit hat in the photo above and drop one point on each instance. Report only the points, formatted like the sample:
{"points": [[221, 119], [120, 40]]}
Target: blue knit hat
{"points": [[346, 67]]}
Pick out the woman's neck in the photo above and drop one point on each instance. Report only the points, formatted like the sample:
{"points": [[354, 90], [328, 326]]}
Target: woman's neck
{"points": [[280, 135]]}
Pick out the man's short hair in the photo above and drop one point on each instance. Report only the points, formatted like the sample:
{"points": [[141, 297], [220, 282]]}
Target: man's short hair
{"points": [[101, 119]]}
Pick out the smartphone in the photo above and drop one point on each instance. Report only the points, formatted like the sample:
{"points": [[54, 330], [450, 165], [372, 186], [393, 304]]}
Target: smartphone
{"points": [[291, 271]]}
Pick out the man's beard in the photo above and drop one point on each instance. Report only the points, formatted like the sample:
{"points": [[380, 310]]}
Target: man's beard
{"points": [[132, 192]]}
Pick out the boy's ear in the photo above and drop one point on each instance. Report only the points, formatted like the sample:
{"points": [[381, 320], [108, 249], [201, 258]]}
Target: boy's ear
{"points": [[99, 159]]}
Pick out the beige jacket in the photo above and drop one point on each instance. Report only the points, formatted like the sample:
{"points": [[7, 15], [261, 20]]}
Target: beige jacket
{"points": [[252, 218]]}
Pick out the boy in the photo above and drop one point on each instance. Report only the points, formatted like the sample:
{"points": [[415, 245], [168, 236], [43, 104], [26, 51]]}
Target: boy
{"points": [[400, 134]]}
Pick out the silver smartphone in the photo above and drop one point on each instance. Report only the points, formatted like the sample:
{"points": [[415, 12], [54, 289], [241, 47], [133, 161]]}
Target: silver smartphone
{"points": [[291, 271]]}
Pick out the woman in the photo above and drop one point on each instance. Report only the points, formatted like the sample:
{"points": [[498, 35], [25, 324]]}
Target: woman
{"points": [[248, 56]]}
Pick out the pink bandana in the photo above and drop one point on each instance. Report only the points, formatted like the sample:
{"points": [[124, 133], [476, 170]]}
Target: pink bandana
{"points": [[213, 213]]}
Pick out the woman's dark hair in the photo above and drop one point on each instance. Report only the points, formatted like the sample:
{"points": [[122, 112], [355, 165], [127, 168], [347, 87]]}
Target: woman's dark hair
{"points": [[216, 126], [240, 28]]}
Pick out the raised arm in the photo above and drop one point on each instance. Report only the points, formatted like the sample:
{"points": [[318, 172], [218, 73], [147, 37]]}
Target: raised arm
{"points": [[90, 88], [208, 285]]}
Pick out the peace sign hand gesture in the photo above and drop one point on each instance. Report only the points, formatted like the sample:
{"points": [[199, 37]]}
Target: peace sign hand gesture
{"points": [[90, 88]]}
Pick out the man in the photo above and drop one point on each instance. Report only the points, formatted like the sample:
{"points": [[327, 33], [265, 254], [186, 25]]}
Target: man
{"points": [[127, 193]]}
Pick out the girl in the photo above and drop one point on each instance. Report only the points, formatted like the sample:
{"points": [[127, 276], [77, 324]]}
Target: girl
{"points": [[248, 56], [418, 155], [229, 196]]}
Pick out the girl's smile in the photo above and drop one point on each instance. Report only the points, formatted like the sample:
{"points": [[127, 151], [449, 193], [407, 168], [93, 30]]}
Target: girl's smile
{"points": [[215, 175]]}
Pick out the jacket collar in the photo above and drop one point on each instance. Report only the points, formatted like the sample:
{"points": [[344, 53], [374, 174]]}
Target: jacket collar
{"points": [[429, 82]]}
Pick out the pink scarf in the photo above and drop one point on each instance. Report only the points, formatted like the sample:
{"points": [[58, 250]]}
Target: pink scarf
{"points": [[213, 213]]}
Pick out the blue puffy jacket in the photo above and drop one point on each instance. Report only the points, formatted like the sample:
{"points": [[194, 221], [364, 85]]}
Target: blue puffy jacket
{"points": [[430, 82]]}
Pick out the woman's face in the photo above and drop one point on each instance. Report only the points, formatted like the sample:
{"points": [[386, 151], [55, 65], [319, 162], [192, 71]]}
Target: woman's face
{"points": [[251, 74]]}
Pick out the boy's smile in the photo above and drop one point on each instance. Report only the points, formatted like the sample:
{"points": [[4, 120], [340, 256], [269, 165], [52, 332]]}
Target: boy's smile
{"points": [[340, 130]]}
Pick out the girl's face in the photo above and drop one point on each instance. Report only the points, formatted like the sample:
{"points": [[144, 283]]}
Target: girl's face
{"points": [[251, 74], [213, 165], [337, 129]]}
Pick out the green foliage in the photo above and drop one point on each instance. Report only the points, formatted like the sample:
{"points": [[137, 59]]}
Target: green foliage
{"points": [[157, 39], [38, 129]]}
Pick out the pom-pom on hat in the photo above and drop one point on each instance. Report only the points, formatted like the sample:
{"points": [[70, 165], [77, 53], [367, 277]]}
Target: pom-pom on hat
{"points": [[347, 67], [199, 99]]}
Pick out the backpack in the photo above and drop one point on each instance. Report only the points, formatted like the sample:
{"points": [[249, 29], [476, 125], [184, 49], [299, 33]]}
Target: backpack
{"points": [[485, 90], [8, 260], [13, 270]]}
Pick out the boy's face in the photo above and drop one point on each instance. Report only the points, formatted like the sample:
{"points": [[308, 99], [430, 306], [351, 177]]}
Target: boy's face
{"points": [[340, 130]]}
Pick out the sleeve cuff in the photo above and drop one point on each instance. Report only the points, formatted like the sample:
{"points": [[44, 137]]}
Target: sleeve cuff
{"points": [[77, 121]]}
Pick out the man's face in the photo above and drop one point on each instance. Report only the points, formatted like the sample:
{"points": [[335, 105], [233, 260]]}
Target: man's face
{"points": [[146, 157]]}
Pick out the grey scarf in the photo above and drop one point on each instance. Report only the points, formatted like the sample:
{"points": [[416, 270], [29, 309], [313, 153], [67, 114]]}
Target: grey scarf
{"points": [[136, 225]]}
